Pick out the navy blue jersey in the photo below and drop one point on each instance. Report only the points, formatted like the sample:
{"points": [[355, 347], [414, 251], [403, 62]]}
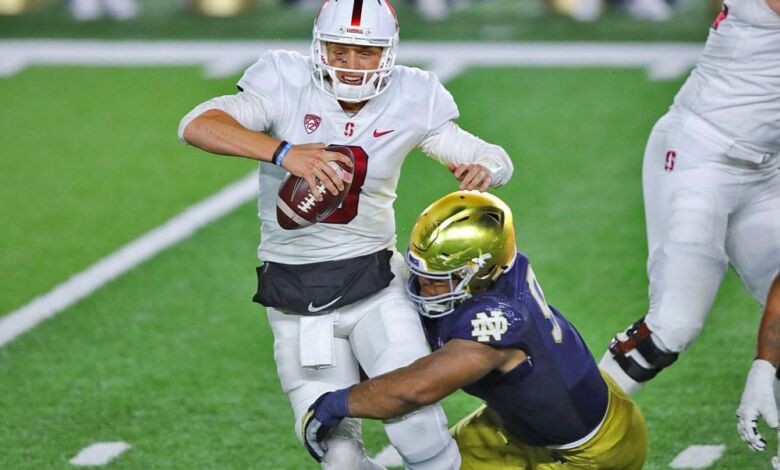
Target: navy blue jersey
{"points": [[556, 396]]}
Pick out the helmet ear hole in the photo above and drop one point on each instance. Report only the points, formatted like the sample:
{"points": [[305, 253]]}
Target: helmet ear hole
{"points": [[495, 216]]}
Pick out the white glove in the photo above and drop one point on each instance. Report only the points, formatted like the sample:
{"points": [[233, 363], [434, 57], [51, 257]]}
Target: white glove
{"points": [[758, 398]]}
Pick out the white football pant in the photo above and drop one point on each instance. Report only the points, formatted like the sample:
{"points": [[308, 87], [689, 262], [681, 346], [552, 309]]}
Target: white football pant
{"points": [[380, 333], [704, 209]]}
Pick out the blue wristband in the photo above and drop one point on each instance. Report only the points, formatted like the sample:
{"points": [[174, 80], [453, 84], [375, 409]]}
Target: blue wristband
{"points": [[280, 152]]}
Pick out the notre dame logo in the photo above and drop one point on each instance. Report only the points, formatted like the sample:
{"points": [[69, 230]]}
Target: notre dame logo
{"points": [[485, 326]]}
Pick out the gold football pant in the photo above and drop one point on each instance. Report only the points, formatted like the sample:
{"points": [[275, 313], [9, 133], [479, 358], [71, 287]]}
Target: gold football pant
{"points": [[620, 443]]}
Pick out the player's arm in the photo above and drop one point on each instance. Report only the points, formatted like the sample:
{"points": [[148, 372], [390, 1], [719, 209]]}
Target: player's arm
{"points": [[231, 125], [218, 132], [758, 396], [474, 162], [769, 330], [427, 380]]}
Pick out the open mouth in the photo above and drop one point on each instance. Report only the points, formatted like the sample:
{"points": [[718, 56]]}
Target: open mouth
{"points": [[351, 79]]}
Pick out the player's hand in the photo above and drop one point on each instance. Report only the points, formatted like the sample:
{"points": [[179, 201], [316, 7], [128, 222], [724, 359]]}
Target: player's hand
{"points": [[310, 162], [325, 414], [471, 176], [758, 399]]}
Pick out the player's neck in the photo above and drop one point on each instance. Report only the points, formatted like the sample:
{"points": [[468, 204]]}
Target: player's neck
{"points": [[352, 107]]}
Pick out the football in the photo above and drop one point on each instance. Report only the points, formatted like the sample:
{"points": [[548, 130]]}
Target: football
{"points": [[296, 206]]}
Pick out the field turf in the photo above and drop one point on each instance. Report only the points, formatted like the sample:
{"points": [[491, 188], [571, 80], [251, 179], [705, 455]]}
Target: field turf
{"points": [[174, 359]]}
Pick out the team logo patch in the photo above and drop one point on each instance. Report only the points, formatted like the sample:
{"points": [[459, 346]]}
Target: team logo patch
{"points": [[311, 122], [486, 327]]}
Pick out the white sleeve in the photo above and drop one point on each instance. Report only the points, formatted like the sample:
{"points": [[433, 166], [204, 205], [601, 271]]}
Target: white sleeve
{"points": [[451, 144], [251, 111]]}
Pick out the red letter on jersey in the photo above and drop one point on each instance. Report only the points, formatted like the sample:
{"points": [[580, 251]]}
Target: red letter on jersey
{"points": [[671, 155]]}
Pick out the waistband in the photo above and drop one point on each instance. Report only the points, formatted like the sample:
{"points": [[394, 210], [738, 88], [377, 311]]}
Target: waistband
{"points": [[733, 148]]}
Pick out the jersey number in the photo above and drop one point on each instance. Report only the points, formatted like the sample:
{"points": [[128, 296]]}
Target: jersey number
{"points": [[349, 208], [538, 295]]}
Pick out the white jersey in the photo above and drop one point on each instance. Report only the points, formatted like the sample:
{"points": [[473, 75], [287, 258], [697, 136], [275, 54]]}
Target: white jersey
{"points": [[735, 86], [381, 135]]}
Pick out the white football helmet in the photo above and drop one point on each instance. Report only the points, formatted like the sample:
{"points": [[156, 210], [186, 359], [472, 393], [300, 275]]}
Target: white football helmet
{"points": [[361, 23]]}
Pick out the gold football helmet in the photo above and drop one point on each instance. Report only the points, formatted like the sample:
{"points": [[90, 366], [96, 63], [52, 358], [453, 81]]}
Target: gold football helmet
{"points": [[466, 238]]}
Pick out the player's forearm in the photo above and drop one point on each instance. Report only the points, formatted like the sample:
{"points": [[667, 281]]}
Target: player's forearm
{"points": [[384, 399], [769, 331], [406, 389], [451, 144], [216, 132]]}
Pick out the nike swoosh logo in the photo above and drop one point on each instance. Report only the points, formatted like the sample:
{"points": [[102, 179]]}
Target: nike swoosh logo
{"points": [[314, 309], [380, 134]]}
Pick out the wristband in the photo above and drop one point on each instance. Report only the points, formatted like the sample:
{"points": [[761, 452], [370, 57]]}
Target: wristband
{"points": [[280, 152]]}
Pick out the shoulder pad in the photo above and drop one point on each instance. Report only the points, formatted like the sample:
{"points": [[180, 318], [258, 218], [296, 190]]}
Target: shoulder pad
{"points": [[424, 91], [274, 71]]}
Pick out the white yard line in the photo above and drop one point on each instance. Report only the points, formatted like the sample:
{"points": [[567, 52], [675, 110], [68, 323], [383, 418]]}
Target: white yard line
{"points": [[698, 456], [229, 58], [126, 258], [99, 454]]}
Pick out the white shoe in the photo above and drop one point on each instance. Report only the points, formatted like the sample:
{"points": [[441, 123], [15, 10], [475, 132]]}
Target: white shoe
{"points": [[649, 10], [121, 9], [586, 10], [85, 10], [433, 10]]}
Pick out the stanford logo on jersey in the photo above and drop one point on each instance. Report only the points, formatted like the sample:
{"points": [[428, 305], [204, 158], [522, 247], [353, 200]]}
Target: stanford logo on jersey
{"points": [[311, 122]]}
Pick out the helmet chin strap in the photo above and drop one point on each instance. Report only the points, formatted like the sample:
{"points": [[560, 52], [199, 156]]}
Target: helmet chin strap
{"points": [[351, 93]]}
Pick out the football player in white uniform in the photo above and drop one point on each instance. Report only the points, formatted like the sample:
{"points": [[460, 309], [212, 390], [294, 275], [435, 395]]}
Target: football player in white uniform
{"points": [[711, 189], [335, 297]]}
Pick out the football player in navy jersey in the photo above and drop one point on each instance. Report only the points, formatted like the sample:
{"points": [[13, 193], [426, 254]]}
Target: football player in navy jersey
{"points": [[547, 404]]}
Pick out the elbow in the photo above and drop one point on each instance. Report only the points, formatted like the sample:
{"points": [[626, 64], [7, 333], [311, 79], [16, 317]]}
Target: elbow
{"points": [[195, 123], [188, 128], [420, 394], [185, 132]]}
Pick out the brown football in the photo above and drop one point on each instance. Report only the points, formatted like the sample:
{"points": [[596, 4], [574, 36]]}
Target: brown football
{"points": [[296, 206]]}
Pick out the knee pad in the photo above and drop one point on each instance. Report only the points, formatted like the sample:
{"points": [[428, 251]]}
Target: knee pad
{"points": [[347, 454], [696, 226], [423, 440], [638, 354]]}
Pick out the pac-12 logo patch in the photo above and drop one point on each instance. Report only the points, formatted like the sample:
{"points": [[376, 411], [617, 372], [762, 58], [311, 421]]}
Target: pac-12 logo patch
{"points": [[311, 122], [485, 326]]}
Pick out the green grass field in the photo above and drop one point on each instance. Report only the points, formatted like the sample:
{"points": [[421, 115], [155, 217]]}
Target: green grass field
{"points": [[174, 359], [485, 20]]}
